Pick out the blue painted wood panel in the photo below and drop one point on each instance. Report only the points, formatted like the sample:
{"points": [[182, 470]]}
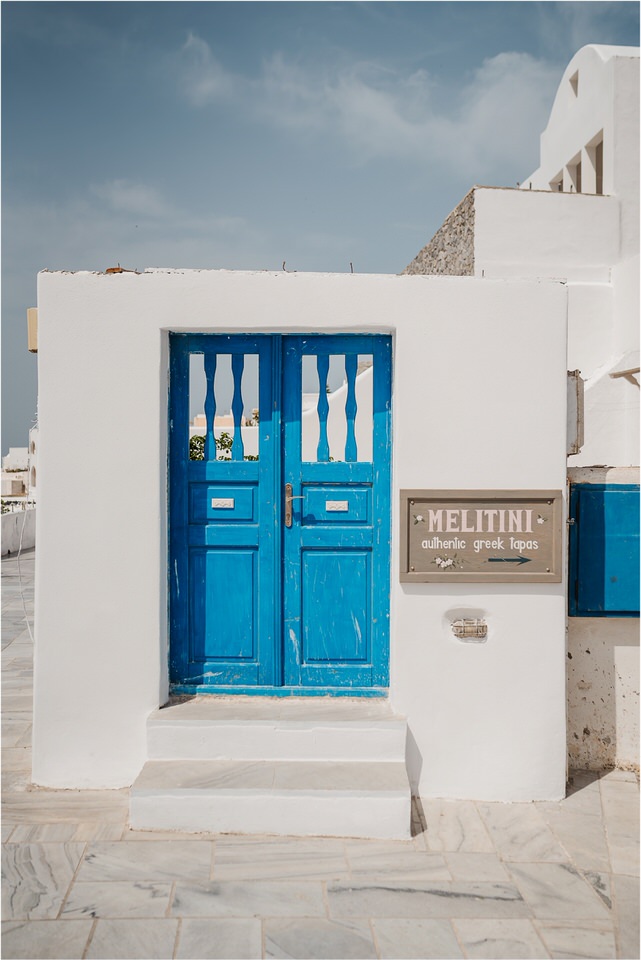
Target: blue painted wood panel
{"points": [[336, 600], [604, 550], [223, 532], [336, 569], [255, 606], [223, 604]]}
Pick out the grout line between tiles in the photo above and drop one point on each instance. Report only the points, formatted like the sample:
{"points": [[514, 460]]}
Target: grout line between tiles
{"points": [[72, 881], [90, 938], [170, 900], [372, 927], [179, 927]]}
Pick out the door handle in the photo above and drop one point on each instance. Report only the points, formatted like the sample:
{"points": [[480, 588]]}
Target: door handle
{"points": [[288, 504]]}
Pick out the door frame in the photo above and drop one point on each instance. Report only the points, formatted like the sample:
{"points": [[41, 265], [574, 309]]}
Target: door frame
{"points": [[178, 405]]}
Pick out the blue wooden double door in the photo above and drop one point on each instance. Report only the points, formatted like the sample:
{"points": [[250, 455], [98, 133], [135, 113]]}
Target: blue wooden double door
{"points": [[279, 514]]}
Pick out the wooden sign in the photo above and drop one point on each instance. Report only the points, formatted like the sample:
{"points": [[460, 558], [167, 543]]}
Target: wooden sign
{"points": [[472, 536]]}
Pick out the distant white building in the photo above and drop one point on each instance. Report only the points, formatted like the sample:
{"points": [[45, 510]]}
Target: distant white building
{"points": [[33, 462], [16, 459], [14, 473]]}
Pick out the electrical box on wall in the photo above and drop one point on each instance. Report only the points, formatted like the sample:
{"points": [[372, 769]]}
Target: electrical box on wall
{"points": [[604, 550], [32, 329], [576, 416]]}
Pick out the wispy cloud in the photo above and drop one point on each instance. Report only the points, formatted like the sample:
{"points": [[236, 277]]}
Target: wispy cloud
{"points": [[204, 78], [494, 115], [138, 199]]}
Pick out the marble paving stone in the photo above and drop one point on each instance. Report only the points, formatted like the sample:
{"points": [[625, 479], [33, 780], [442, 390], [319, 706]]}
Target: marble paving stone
{"points": [[24, 664], [579, 941], [340, 776], [45, 833], [7, 830], [225, 939], [12, 730], [36, 877], [601, 883], [52, 806], [117, 899], [99, 832], [455, 825], [61, 832], [16, 759], [556, 891], [166, 860], [206, 774], [499, 939], [12, 631], [625, 895], [133, 940], [13, 681], [476, 866], [416, 940], [372, 861], [305, 939], [520, 833], [18, 703], [412, 899], [628, 776], [45, 939], [582, 835], [247, 859], [256, 898], [19, 649], [621, 812]]}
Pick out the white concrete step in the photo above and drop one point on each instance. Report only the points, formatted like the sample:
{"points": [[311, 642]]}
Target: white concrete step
{"points": [[294, 798], [258, 728]]}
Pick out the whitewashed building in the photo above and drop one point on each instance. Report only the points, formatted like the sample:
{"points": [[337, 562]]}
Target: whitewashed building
{"points": [[576, 218], [369, 605]]}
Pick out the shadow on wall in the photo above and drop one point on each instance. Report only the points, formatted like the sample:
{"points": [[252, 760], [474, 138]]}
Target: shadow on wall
{"points": [[413, 762]]}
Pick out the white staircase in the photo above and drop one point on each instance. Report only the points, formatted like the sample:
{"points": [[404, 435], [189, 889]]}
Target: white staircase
{"points": [[299, 767]]}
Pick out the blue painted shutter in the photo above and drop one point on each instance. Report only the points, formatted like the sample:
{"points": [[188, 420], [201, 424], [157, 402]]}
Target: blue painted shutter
{"points": [[604, 550]]}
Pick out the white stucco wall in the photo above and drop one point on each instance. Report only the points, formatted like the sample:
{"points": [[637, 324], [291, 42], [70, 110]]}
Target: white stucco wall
{"points": [[18, 531], [607, 88], [483, 362], [530, 234], [523, 233]]}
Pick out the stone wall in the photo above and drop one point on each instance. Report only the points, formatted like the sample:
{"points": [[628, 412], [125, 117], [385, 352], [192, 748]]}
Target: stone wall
{"points": [[450, 252]]}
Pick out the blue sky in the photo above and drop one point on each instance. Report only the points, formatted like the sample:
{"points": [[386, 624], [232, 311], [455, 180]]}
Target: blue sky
{"points": [[239, 135]]}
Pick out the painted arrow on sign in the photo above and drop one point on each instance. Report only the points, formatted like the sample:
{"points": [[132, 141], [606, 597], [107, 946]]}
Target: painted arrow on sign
{"points": [[518, 559]]}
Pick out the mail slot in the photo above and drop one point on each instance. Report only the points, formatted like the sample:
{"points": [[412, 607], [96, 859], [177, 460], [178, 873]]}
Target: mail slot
{"points": [[337, 506]]}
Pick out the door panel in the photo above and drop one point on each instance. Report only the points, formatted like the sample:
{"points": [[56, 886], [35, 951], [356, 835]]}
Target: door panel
{"points": [[256, 605], [336, 552], [224, 533]]}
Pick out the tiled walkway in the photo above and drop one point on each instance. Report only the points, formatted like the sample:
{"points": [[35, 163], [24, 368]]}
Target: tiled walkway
{"points": [[477, 880]]}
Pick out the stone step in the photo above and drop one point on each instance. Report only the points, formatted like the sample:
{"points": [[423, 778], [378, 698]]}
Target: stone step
{"points": [[257, 728], [337, 799]]}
